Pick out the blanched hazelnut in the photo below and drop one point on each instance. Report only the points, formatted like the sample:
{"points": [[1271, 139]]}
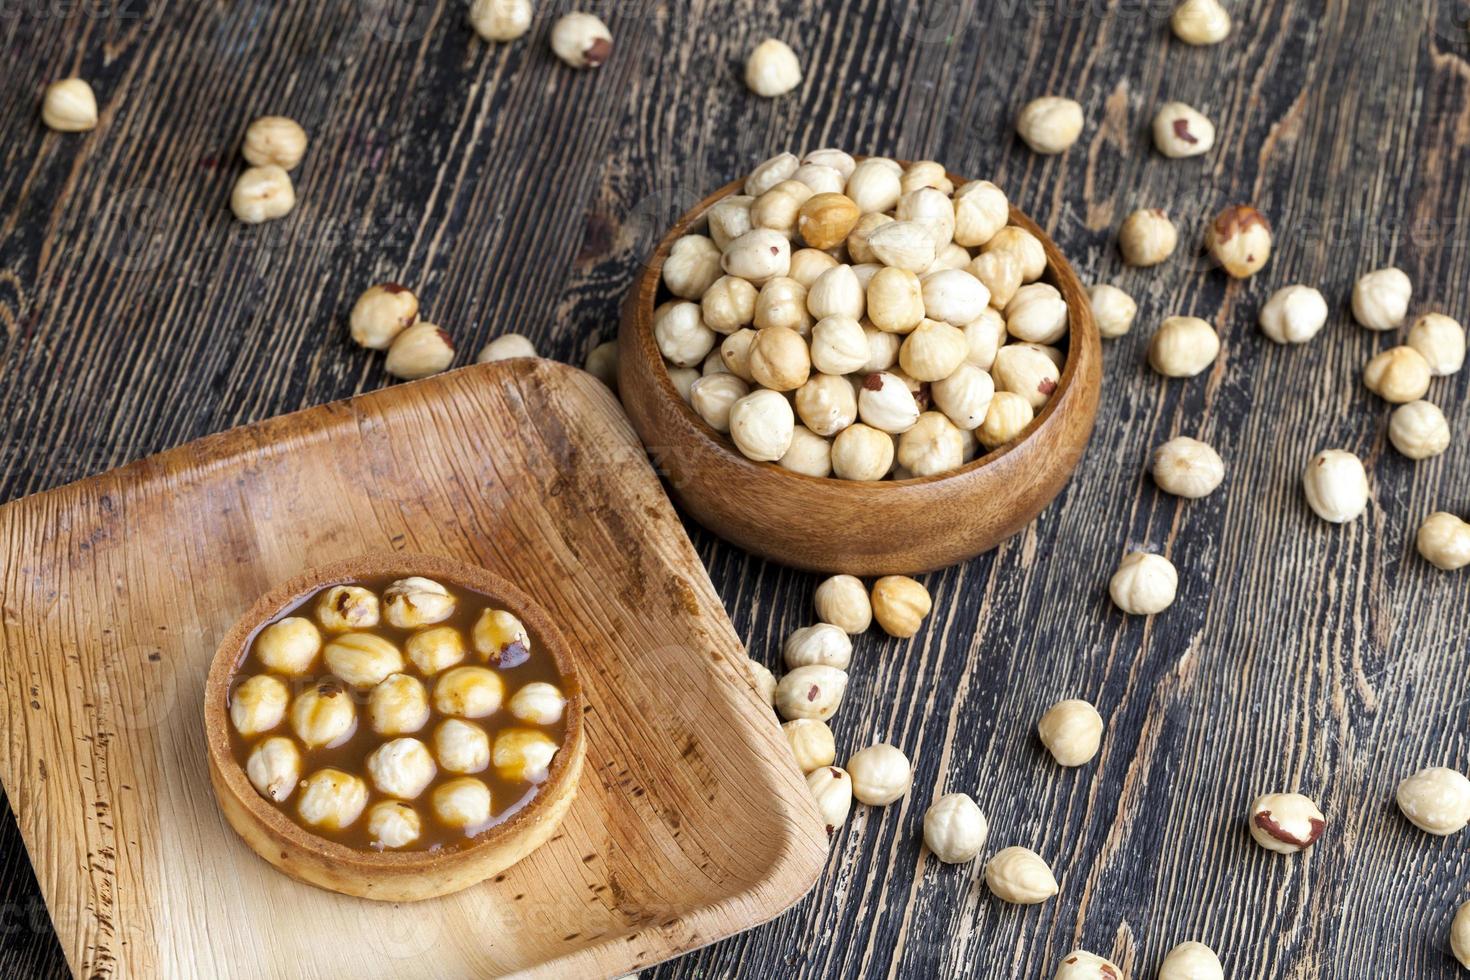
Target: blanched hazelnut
{"points": [[1285, 822], [581, 40], [906, 245], [419, 351], [980, 210], [497, 20], [934, 445], [811, 743], [900, 605], [692, 266], [1191, 961], [1112, 309], [1187, 467], [381, 313], [880, 774], [683, 378], [1182, 131], [1240, 240], [1001, 273], [964, 397], [538, 703], [1082, 965], [820, 644], [762, 680], [875, 185], [826, 404], [831, 787], [772, 69], [927, 173], [808, 265], [729, 218], [955, 830], [1018, 875], [779, 208], [681, 334], [931, 209], [1440, 340], [842, 600], [362, 659], [887, 404], [809, 454], [728, 305], [953, 296], [274, 140], [1399, 374], [761, 425], [1050, 124], [951, 256], [1419, 430], [1336, 485], [1444, 541], [1026, 247], [393, 823], [469, 692], [344, 608], [1381, 299], [461, 746], [401, 768], [1005, 419], [821, 179], [331, 799], [1147, 237], [839, 345], [1460, 935], [1027, 371], [523, 755], [399, 705], [813, 691], [462, 803], [289, 646], [1183, 346], [323, 716], [1071, 731], [984, 338], [1144, 584], [262, 194], [1436, 800], [69, 106], [504, 348], [1200, 22], [781, 302], [826, 219], [735, 352], [895, 300], [839, 160], [857, 240], [1293, 315], [435, 649], [415, 601], [258, 705], [758, 255], [274, 768], [1037, 313], [837, 292], [883, 349], [931, 351], [711, 397], [862, 452], [770, 173]]}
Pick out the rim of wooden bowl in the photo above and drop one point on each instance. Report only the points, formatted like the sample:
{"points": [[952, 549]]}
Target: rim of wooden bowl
{"points": [[1081, 329]]}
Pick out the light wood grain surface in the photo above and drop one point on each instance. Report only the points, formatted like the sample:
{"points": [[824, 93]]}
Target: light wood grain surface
{"points": [[515, 194]]}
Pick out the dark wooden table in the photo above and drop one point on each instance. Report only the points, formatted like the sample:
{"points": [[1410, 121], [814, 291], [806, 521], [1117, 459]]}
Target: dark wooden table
{"points": [[515, 194]]}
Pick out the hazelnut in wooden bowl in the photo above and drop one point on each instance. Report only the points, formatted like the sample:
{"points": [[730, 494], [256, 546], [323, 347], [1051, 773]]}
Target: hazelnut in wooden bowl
{"points": [[860, 365], [394, 727]]}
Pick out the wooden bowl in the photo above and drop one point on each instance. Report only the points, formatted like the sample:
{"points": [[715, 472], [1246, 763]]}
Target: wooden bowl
{"points": [[393, 876], [831, 525]]}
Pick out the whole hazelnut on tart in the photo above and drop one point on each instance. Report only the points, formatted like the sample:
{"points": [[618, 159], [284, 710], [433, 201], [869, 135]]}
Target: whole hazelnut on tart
{"points": [[259, 704], [416, 601], [955, 829], [1240, 240], [581, 40], [323, 716], [538, 703], [274, 768], [461, 803], [1071, 731], [362, 660], [1436, 800], [393, 824], [1144, 584], [1444, 541], [1336, 485], [1050, 124], [289, 646], [402, 767], [1286, 823], [435, 649], [1018, 875], [69, 106], [523, 754], [331, 799], [381, 313], [277, 140], [469, 692], [1293, 314], [398, 705], [772, 69], [461, 746], [880, 774], [1381, 299]]}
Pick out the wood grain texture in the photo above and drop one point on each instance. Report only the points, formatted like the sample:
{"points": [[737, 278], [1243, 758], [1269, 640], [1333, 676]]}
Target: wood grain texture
{"points": [[515, 194], [690, 822]]}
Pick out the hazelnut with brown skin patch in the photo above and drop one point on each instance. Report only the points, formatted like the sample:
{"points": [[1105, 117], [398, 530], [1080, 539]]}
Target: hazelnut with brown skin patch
{"points": [[1240, 240], [1286, 823]]}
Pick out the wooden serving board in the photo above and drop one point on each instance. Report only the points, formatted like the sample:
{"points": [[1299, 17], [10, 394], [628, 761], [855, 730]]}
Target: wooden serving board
{"points": [[691, 823]]}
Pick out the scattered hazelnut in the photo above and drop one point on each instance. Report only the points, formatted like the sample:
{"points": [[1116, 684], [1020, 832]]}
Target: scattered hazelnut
{"points": [[581, 40], [362, 659], [1071, 731], [831, 787], [1240, 240], [981, 209], [506, 347], [1460, 935], [274, 140], [903, 245], [1113, 309], [1398, 375], [69, 106], [1293, 315], [813, 691], [1005, 419], [323, 716], [1381, 299], [401, 768], [964, 397], [1441, 342], [819, 644], [262, 194], [934, 445], [1200, 22], [435, 649], [955, 830], [1436, 800], [1419, 430], [1285, 822], [811, 743], [1144, 584], [381, 313], [880, 774], [258, 705], [1026, 370], [399, 705], [419, 351], [1187, 467], [1336, 485], [290, 645], [1191, 961], [1182, 131], [900, 605], [758, 255], [1444, 541], [274, 768], [393, 824], [712, 397], [462, 802], [1147, 237], [1050, 124], [861, 452], [332, 799], [415, 601], [602, 363], [500, 20], [1082, 965], [1183, 346], [875, 184], [1018, 875], [772, 69], [461, 746], [842, 600]]}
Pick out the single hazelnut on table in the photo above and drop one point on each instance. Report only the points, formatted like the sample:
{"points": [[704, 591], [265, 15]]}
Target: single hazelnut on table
{"points": [[1444, 541], [523, 754], [1191, 961], [842, 600], [1460, 935], [381, 313], [399, 705], [435, 649], [1183, 346], [761, 425], [758, 255], [1419, 430], [981, 209], [469, 692], [900, 605], [772, 69], [692, 266], [763, 681], [461, 746], [331, 799], [1071, 731], [1187, 467], [274, 139], [1436, 800], [1026, 248], [813, 691], [831, 787], [69, 106], [461, 803], [323, 716], [1019, 876], [581, 40], [861, 452], [420, 351], [1113, 309], [1144, 584], [500, 20], [401, 768], [1026, 370], [262, 194], [1440, 340], [258, 705], [289, 646], [811, 743], [1082, 965], [274, 768], [1398, 375], [393, 824], [955, 830], [1293, 315], [1005, 419], [1381, 299], [1037, 313], [907, 245], [1336, 485], [1240, 240], [1286, 823], [837, 292], [880, 774], [1182, 131], [1200, 22], [1147, 237], [504, 348], [362, 659], [964, 397], [932, 351], [934, 445], [819, 644], [1050, 124], [602, 363]]}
